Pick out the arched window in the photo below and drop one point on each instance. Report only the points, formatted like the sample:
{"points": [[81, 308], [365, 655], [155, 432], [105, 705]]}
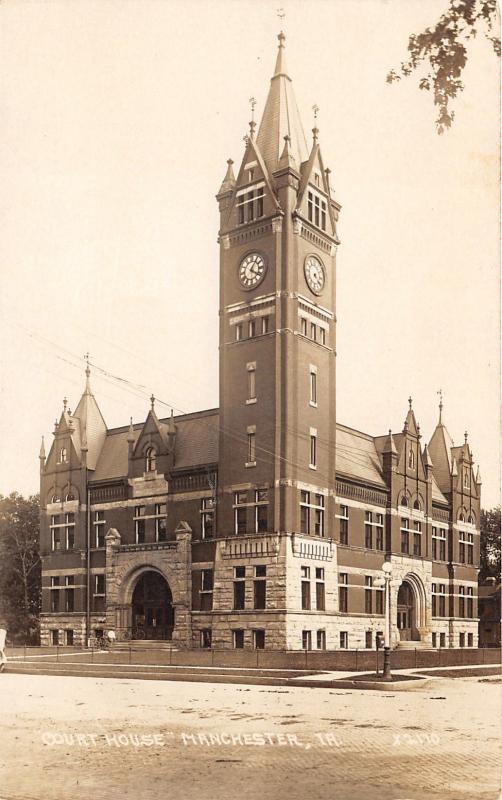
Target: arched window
{"points": [[62, 455], [461, 517], [404, 501], [411, 459], [416, 505], [70, 496], [150, 459], [55, 498], [466, 478], [470, 519]]}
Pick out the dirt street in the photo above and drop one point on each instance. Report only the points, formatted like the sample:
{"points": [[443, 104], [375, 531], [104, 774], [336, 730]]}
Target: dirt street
{"points": [[72, 738]]}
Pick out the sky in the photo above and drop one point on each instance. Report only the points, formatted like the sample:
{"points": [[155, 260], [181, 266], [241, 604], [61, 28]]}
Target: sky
{"points": [[117, 121]]}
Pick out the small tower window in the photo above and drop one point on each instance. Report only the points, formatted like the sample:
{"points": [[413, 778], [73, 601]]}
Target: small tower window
{"points": [[316, 210], [411, 459], [466, 478], [63, 455], [150, 459]]}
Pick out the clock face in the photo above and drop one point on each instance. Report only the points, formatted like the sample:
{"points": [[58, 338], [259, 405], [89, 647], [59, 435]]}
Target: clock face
{"points": [[314, 274], [252, 270]]}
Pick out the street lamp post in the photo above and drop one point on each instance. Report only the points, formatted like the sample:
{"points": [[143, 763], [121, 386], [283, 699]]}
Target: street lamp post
{"points": [[385, 582]]}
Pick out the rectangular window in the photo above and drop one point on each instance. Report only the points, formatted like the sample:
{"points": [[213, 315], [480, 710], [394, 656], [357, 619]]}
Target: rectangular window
{"points": [[442, 639], [62, 531], [251, 370], [206, 638], [251, 457], [470, 602], [442, 600], [70, 531], [313, 332], [260, 586], [99, 528], [240, 512], [305, 595], [305, 512], [69, 601], [343, 592], [321, 640], [417, 539], [303, 326], [261, 510], [99, 593], [265, 325], [55, 600], [207, 517], [307, 640], [239, 595], [434, 639], [368, 595], [320, 596], [69, 638], [368, 531], [139, 524], [313, 448], [54, 637], [379, 602], [470, 640], [461, 601], [313, 386], [238, 332], [434, 599], [344, 524], [344, 640], [322, 335], [438, 544], [160, 522], [405, 536], [206, 591], [259, 639], [379, 531], [250, 204], [319, 515], [252, 328], [461, 640], [368, 640], [238, 637]]}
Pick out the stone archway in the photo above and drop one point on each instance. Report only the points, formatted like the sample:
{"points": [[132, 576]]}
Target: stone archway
{"points": [[411, 609], [152, 610]]}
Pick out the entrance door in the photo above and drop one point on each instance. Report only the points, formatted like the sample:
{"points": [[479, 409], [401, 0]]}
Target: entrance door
{"points": [[152, 609], [405, 611]]}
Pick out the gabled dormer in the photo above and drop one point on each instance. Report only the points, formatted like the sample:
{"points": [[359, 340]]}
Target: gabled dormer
{"points": [[316, 205], [250, 197], [153, 452]]}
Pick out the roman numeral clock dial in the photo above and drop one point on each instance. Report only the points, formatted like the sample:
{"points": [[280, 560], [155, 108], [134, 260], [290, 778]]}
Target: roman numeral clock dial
{"points": [[314, 274], [252, 270]]}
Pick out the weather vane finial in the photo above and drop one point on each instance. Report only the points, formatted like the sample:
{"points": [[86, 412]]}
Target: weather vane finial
{"points": [[281, 14], [315, 129], [440, 393], [252, 124], [88, 368]]}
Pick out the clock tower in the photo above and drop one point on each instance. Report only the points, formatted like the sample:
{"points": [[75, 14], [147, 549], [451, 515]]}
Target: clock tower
{"points": [[278, 243]]}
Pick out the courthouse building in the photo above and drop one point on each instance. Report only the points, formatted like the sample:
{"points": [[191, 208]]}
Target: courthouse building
{"points": [[263, 523]]}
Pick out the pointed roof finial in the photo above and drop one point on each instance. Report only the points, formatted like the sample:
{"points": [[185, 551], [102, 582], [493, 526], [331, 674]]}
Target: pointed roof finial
{"points": [[252, 123], [466, 435], [41, 455], [315, 129], [280, 64], [390, 445], [410, 400], [65, 403], [130, 432], [440, 393], [478, 477], [152, 401]]}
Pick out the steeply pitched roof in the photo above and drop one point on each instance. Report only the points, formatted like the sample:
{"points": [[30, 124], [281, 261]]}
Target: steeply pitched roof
{"points": [[356, 456], [440, 447], [281, 118], [196, 444], [92, 425]]}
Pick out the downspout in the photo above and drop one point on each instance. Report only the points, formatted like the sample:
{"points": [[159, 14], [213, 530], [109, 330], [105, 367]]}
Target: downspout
{"points": [[88, 562]]}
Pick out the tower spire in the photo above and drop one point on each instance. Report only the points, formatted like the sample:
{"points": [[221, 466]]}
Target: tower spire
{"points": [[281, 117]]}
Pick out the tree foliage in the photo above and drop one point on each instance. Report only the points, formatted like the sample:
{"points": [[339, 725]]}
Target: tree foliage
{"points": [[442, 49], [20, 566], [490, 544]]}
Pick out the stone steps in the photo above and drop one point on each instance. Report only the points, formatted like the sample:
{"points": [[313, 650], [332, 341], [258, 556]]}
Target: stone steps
{"points": [[410, 644]]}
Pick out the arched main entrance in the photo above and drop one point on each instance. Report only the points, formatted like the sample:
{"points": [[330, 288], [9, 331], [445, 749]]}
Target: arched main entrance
{"points": [[406, 622], [152, 608]]}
